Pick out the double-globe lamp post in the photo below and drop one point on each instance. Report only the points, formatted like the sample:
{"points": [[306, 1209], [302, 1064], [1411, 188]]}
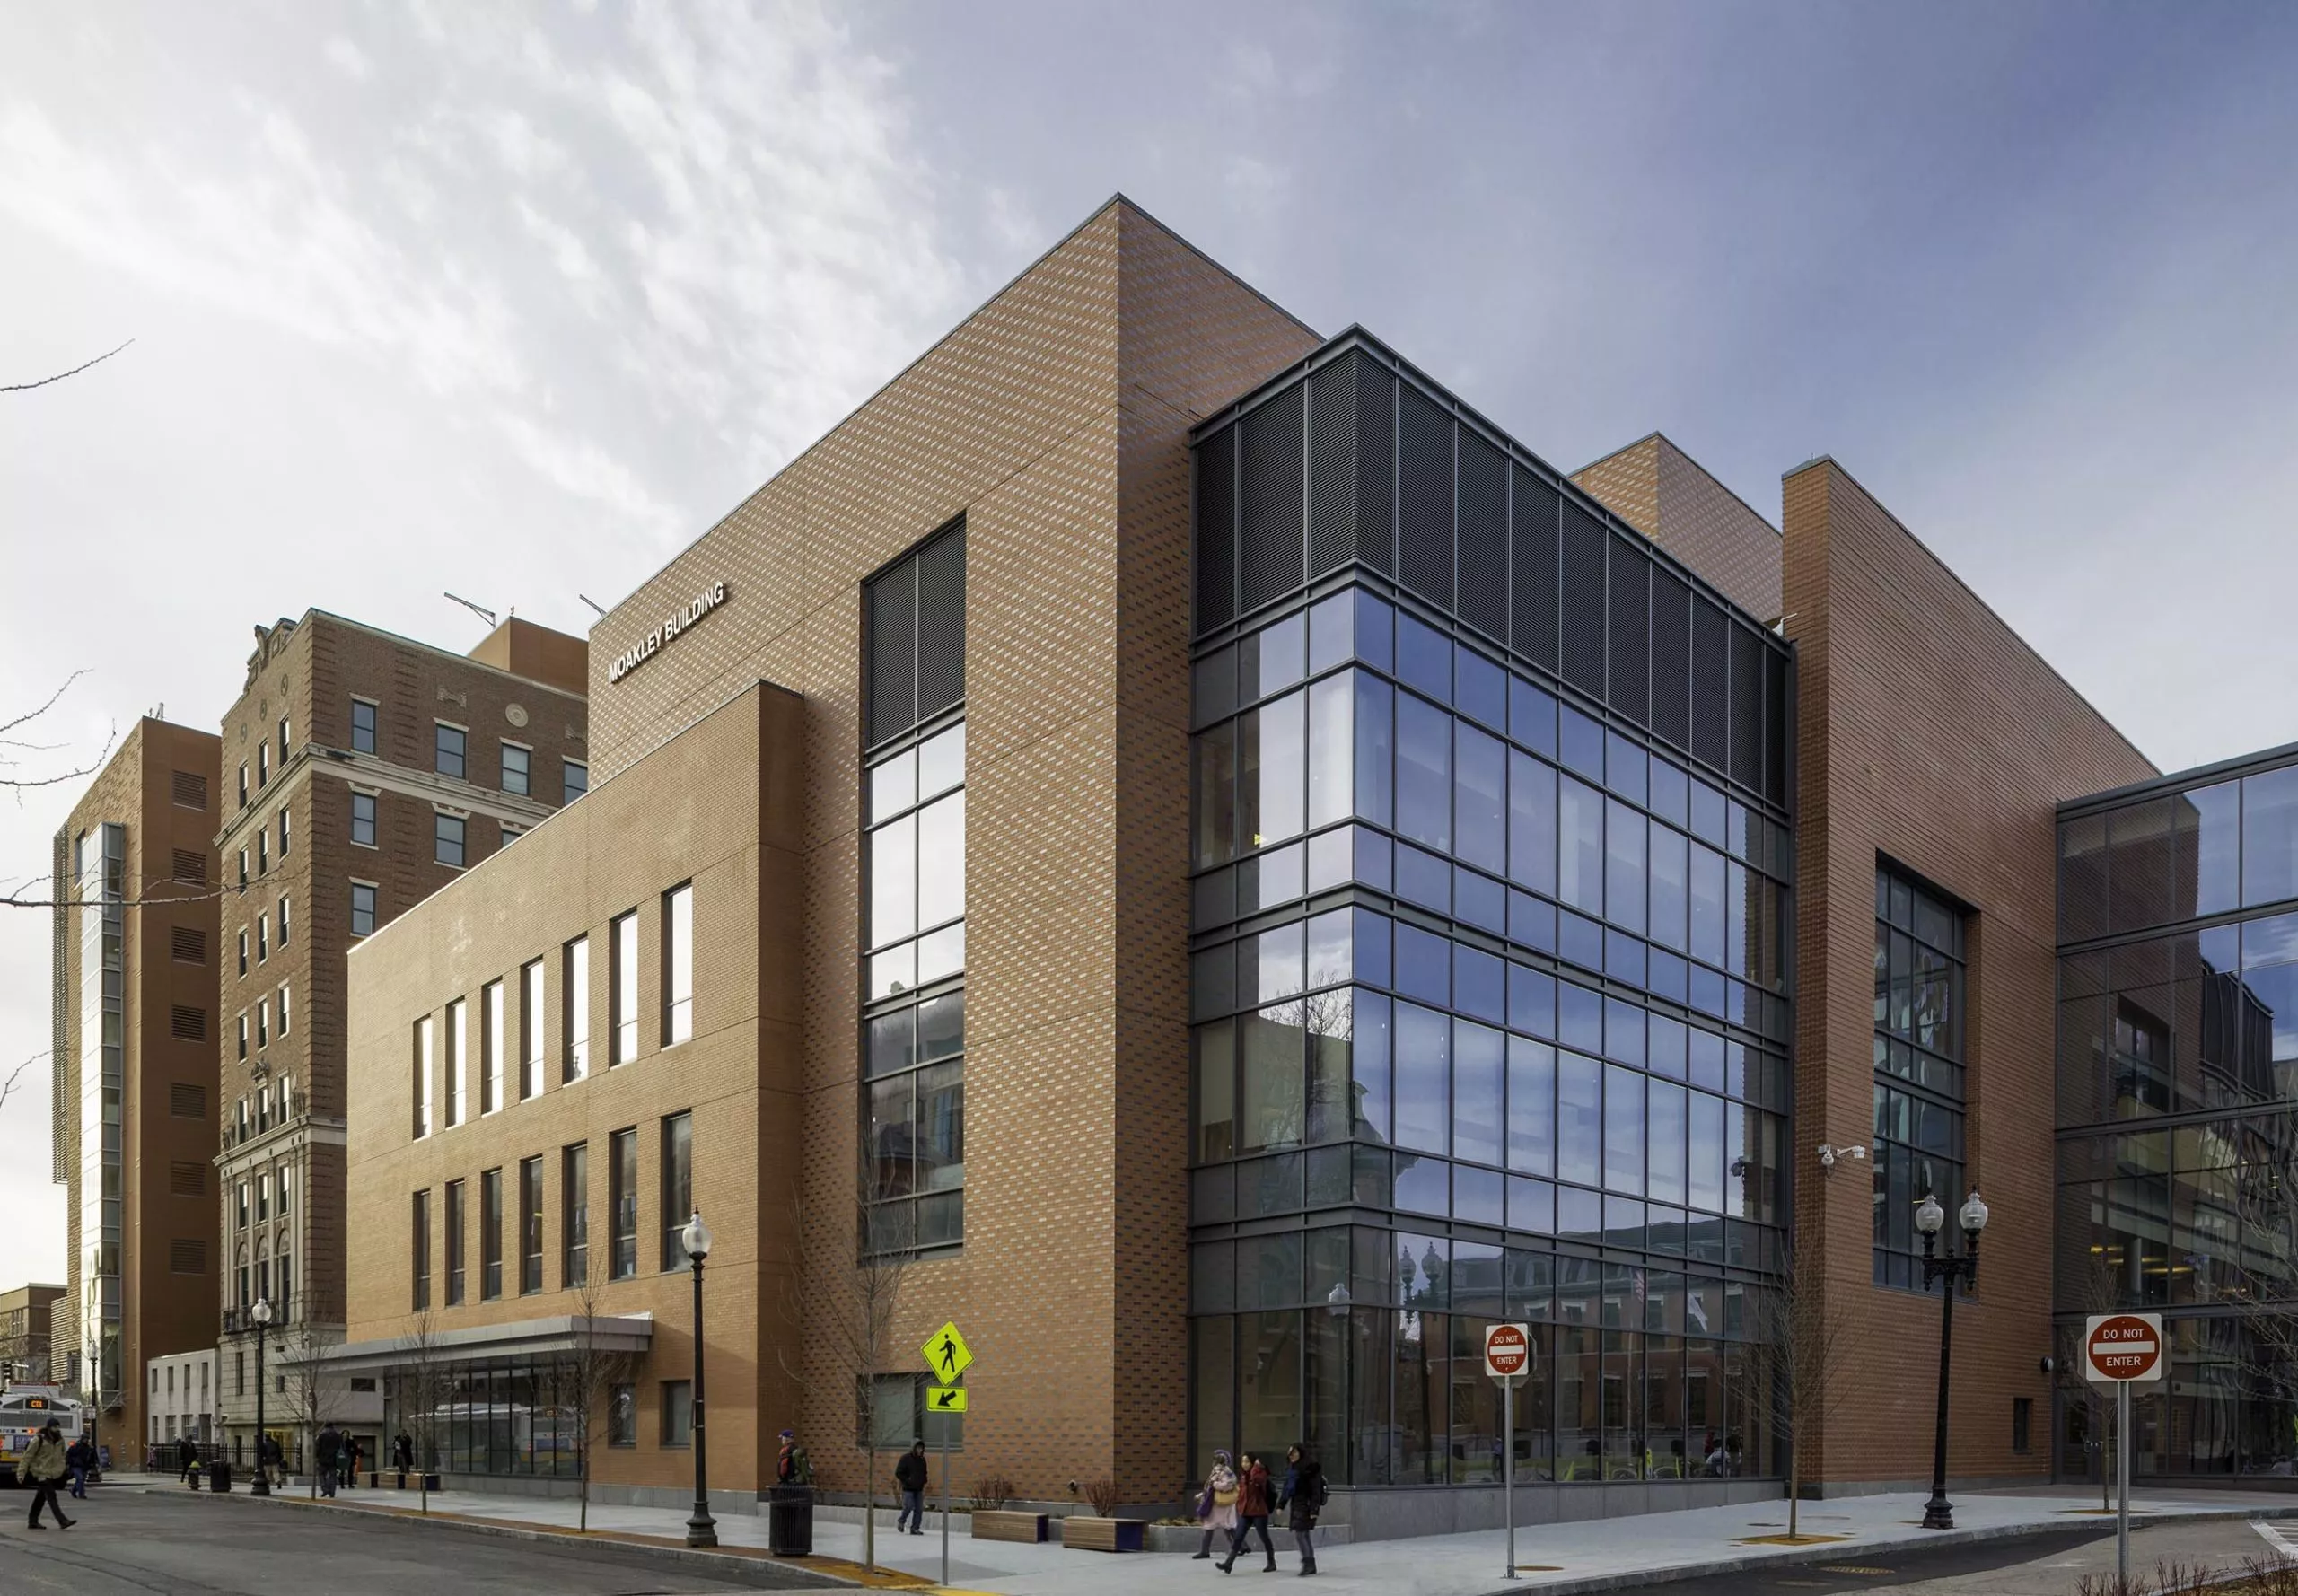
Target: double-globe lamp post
{"points": [[701, 1529], [1930, 1219], [261, 1314]]}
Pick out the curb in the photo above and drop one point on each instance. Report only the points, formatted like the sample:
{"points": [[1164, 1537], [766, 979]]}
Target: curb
{"points": [[1637, 1579], [760, 1572]]}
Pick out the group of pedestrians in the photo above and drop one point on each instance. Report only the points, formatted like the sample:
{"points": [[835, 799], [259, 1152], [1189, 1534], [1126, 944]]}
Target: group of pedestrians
{"points": [[1241, 1502]]}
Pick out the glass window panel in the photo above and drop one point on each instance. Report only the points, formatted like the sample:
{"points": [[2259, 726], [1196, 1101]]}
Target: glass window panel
{"points": [[1531, 1001], [1579, 849], [1624, 866], [1271, 1100], [1424, 1185], [1478, 1197], [1480, 799], [1626, 768], [1424, 772], [1214, 793], [1215, 1048], [1667, 1046], [1581, 744], [1531, 716], [1480, 983], [1283, 649], [1327, 948], [893, 785], [1531, 921], [1272, 772], [1375, 631], [1479, 900], [2207, 849], [893, 882], [1423, 659], [1479, 687], [941, 860], [1531, 823], [1424, 964], [893, 1042], [1478, 1115], [1212, 981], [1332, 632], [1369, 949], [1665, 1146], [1579, 1132], [941, 761], [1532, 1206], [1332, 859], [1670, 792], [1579, 1017], [1531, 1106], [1279, 961], [1624, 1134], [1708, 1154], [2270, 836], [1671, 868], [1331, 1019], [1423, 1078], [1375, 748], [1370, 1055], [1332, 750], [1623, 1032], [1708, 926]]}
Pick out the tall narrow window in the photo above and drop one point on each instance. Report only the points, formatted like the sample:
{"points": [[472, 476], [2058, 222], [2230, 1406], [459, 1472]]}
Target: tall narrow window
{"points": [[284, 729], [243, 784], [530, 1029], [423, 1060], [243, 951], [263, 850], [363, 820], [530, 1225], [622, 1176], [287, 928], [363, 726], [490, 1047], [262, 765], [285, 838], [448, 746], [449, 835], [678, 1187], [575, 995], [284, 1025], [575, 1213], [678, 964], [575, 780], [622, 988], [454, 1218], [420, 1248], [490, 1235], [517, 763], [262, 938], [262, 1023], [363, 909], [458, 1056], [1918, 1146]]}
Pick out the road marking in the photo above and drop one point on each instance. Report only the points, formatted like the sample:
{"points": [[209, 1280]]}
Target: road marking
{"points": [[2276, 1540]]}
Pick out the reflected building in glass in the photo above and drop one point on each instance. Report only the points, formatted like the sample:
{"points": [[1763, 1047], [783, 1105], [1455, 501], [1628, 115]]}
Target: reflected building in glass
{"points": [[1492, 863], [2177, 1107]]}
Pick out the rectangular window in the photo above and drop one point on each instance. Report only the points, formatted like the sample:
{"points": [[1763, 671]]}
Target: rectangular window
{"points": [[284, 840], [678, 1413], [490, 1047], [530, 1225], [363, 726], [243, 1035], [283, 1026], [262, 1022], [1918, 1024], [678, 965], [678, 1187], [422, 1095], [243, 870], [286, 933], [262, 765], [622, 1416], [263, 851], [530, 1029], [239, 1204], [458, 1059], [447, 833], [574, 1021], [284, 729], [454, 1217], [363, 909], [244, 952], [516, 764], [575, 780], [447, 745], [490, 1234], [363, 818], [622, 988], [622, 1176], [262, 938], [420, 1248], [243, 784], [575, 1213]]}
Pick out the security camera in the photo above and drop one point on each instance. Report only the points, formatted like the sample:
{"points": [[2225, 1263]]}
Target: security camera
{"points": [[1829, 1152], [2050, 1365]]}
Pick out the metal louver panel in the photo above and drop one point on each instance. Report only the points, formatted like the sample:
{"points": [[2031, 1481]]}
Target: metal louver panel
{"points": [[1425, 499], [1270, 551], [1216, 530], [942, 623], [1483, 536], [1584, 600], [1672, 657], [893, 652], [1711, 683], [1631, 631], [1332, 466], [1747, 708], [1777, 733], [1376, 466], [1533, 590]]}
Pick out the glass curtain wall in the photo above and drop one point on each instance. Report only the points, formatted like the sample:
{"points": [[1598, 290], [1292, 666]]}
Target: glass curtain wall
{"points": [[519, 1416], [2177, 1109], [99, 870]]}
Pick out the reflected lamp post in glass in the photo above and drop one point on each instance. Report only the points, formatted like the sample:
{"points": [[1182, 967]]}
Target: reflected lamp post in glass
{"points": [[701, 1529], [1956, 1272], [261, 1314]]}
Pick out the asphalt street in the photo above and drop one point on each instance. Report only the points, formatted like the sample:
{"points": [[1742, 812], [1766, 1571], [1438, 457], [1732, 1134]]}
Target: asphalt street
{"points": [[130, 1542]]}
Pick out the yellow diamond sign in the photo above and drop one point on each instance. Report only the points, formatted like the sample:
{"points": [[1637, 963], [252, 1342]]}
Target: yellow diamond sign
{"points": [[947, 1356], [947, 1398]]}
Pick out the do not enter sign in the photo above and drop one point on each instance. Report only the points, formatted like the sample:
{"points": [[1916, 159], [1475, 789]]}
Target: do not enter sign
{"points": [[2123, 1346], [1507, 1351]]}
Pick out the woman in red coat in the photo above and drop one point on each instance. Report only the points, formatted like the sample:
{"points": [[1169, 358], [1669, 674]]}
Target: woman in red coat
{"points": [[1252, 1513]]}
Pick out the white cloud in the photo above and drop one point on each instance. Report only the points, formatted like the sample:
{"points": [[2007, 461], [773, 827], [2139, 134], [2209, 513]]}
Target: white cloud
{"points": [[348, 59]]}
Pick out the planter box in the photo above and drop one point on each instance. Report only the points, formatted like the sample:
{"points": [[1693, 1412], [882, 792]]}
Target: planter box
{"points": [[1103, 1535], [1009, 1526]]}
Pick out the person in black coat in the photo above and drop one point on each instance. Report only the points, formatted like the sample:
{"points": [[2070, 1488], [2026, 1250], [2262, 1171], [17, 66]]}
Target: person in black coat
{"points": [[1303, 1499], [910, 1475]]}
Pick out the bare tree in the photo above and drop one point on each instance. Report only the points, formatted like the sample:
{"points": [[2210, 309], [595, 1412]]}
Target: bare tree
{"points": [[59, 376], [311, 1394], [2091, 1282], [16, 1076], [594, 1372], [843, 1301], [1809, 1354], [17, 739], [420, 1378]]}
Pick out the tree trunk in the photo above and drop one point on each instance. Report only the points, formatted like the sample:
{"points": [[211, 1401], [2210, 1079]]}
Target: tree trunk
{"points": [[870, 1505], [582, 1514], [1794, 1489]]}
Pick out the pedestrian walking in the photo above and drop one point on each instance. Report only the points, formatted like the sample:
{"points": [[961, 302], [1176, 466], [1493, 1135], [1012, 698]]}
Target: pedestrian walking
{"points": [[350, 1462], [403, 1453], [909, 1478], [44, 1465], [268, 1459], [327, 1452], [1216, 1504], [792, 1466], [78, 1459], [1303, 1499], [187, 1461], [1252, 1515]]}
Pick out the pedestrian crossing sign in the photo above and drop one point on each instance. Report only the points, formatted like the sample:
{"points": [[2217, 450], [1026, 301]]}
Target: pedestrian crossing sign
{"points": [[947, 1398], [947, 1356]]}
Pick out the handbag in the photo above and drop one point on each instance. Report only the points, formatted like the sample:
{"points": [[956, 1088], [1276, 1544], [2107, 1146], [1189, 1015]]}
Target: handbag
{"points": [[1227, 1498], [1205, 1503]]}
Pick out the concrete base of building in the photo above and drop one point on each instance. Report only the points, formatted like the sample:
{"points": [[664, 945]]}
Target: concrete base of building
{"points": [[1399, 1515], [1824, 1490], [604, 1493]]}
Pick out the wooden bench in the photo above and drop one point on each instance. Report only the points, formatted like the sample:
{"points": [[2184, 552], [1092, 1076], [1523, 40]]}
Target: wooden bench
{"points": [[1009, 1526], [1103, 1535]]}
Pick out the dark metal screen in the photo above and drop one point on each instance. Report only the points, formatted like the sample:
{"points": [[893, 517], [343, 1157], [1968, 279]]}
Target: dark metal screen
{"points": [[1747, 708], [1483, 536], [1425, 499], [942, 623], [1672, 657], [916, 615], [1711, 690], [1332, 466], [1376, 467], [1631, 631], [893, 650], [1216, 530], [1271, 547], [1584, 600], [1532, 595]]}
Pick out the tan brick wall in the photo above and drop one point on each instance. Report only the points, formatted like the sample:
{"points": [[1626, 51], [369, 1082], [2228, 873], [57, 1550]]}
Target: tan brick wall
{"points": [[1929, 732], [1664, 494]]}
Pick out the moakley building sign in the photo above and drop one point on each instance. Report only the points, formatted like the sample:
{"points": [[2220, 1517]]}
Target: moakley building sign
{"points": [[648, 646]]}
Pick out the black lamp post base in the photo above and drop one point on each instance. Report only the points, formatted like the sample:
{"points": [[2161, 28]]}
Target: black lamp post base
{"points": [[1938, 1513], [702, 1529]]}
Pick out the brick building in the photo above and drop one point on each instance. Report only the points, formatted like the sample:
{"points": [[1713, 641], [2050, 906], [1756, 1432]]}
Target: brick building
{"points": [[361, 772], [134, 1026], [1240, 874], [25, 1343]]}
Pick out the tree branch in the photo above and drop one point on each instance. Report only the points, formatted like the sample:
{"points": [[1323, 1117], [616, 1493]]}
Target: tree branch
{"points": [[75, 371]]}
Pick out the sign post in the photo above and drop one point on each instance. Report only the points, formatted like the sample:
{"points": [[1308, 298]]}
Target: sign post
{"points": [[1507, 1357], [947, 1356], [2120, 1350]]}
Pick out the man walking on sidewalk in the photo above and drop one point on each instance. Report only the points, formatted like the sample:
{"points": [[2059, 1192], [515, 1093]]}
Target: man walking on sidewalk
{"points": [[44, 1465], [909, 1473], [325, 1450]]}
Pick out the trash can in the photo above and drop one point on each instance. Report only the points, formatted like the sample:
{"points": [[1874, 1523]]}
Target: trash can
{"points": [[790, 1520], [219, 1475]]}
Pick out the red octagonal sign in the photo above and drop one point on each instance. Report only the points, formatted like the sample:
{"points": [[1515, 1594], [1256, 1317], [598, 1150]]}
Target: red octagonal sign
{"points": [[1507, 1350], [2123, 1346]]}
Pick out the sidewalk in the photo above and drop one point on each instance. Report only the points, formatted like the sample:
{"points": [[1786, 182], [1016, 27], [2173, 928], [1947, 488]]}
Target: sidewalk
{"points": [[1555, 1560]]}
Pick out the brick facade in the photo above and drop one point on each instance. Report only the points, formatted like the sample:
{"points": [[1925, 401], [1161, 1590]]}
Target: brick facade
{"points": [[1662, 492]]}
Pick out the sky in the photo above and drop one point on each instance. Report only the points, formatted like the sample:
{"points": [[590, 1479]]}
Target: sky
{"points": [[516, 300]]}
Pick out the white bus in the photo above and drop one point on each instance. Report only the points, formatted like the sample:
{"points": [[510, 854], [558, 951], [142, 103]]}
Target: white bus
{"points": [[25, 1411]]}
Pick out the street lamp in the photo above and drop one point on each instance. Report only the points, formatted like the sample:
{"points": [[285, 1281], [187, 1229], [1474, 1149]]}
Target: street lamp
{"points": [[261, 1314], [1930, 1218], [701, 1529]]}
